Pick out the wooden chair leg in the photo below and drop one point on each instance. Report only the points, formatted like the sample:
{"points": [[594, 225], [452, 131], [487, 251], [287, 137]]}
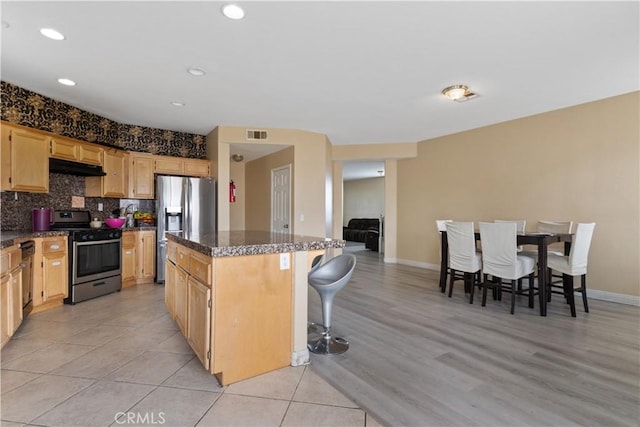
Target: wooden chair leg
{"points": [[513, 295], [583, 283], [452, 275], [549, 287], [484, 290], [474, 281], [568, 293], [531, 290]]}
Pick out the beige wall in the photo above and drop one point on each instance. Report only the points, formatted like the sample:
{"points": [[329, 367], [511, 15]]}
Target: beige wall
{"points": [[258, 188], [363, 198], [237, 209], [312, 171], [580, 163]]}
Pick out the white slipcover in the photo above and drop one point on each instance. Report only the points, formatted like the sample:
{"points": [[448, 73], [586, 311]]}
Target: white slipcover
{"points": [[442, 224], [553, 227], [499, 253], [576, 263], [462, 247]]}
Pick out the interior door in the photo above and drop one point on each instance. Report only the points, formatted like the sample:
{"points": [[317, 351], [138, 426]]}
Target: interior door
{"points": [[281, 200]]}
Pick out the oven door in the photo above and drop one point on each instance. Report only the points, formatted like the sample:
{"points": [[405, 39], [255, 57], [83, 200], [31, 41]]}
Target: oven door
{"points": [[95, 260]]}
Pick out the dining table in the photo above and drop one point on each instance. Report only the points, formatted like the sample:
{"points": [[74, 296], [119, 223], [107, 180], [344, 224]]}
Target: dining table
{"points": [[540, 240]]}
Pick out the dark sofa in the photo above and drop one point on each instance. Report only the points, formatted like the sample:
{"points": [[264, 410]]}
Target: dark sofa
{"points": [[365, 230]]}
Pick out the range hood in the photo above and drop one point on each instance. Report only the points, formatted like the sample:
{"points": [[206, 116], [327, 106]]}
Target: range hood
{"points": [[74, 168]]}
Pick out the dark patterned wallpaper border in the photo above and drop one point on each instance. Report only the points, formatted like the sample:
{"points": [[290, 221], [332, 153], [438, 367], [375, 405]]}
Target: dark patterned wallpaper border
{"points": [[37, 111]]}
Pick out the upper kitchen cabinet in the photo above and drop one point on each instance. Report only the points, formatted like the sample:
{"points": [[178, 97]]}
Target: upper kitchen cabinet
{"points": [[114, 183], [76, 151], [141, 168], [196, 167], [25, 160], [168, 165]]}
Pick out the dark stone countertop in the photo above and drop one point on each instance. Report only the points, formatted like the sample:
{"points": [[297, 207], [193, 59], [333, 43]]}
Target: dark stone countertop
{"points": [[10, 238], [249, 242]]}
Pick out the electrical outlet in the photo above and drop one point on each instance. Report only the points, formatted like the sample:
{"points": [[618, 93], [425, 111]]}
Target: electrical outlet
{"points": [[285, 261], [100, 207]]}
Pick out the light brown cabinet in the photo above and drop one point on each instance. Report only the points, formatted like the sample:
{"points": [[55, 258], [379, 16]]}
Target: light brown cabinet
{"points": [[114, 183], [199, 319], [10, 292], [74, 150], [146, 256], [181, 166], [141, 169], [225, 298], [50, 275], [129, 259], [25, 160]]}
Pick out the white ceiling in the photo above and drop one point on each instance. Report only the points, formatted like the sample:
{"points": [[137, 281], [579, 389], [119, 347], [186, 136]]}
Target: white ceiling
{"points": [[359, 72]]}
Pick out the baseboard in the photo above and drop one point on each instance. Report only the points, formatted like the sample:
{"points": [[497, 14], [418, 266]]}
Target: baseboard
{"points": [[613, 297], [591, 293], [300, 357]]}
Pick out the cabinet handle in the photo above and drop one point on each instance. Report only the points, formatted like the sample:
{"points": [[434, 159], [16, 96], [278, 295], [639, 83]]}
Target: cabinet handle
{"points": [[128, 253], [56, 263], [55, 246]]}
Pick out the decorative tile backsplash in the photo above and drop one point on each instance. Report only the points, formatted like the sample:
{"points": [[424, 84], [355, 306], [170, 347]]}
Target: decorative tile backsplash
{"points": [[31, 109], [15, 215]]}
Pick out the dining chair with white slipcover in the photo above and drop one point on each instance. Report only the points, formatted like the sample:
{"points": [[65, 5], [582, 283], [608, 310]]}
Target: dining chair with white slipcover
{"points": [[574, 264], [500, 259], [463, 256]]}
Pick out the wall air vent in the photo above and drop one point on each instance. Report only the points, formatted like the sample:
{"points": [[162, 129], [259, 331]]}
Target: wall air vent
{"points": [[257, 135]]}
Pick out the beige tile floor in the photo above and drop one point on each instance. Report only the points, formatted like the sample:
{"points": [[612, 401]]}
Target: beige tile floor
{"points": [[120, 360]]}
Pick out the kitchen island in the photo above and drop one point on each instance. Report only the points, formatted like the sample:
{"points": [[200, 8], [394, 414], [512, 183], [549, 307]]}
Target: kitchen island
{"points": [[240, 298]]}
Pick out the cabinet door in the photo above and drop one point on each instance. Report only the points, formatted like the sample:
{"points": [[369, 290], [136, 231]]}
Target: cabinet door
{"points": [[170, 288], [141, 177], [25, 163], [114, 180], [181, 300], [55, 275], [169, 165], [196, 167], [5, 307], [90, 154], [199, 320], [146, 255], [62, 148], [129, 259], [16, 299]]}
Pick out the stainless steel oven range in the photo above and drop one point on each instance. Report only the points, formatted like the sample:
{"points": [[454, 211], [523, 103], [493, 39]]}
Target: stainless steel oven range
{"points": [[94, 256]]}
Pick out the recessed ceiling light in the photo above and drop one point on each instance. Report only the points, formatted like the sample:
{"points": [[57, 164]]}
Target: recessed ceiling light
{"points": [[196, 71], [177, 104], [51, 33], [66, 82], [458, 93], [233, 11]]}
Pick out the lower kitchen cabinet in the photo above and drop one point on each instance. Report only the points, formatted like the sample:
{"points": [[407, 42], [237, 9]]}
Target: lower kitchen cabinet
{"points": [[146, 253], [10, 292], [170, 288], [138, 257], [181, 299], [199, 319], [129, 259], [51, 272]]}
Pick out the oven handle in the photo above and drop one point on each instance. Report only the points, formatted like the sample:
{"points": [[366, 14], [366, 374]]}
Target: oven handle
{"points": [[99, 283], [97, 242]]}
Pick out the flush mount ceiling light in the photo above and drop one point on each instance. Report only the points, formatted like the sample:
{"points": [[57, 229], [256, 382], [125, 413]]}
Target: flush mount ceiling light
{"points": [[177, 103], [237, 157], [51, 33], [458, 93], [233, 11], [196, 71], [66, 82]]}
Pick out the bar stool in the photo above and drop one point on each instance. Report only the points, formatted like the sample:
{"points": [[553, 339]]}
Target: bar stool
{"points": [[327, 280]]}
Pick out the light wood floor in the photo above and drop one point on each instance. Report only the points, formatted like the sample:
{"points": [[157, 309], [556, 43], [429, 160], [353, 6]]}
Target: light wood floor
{"points": [[419, 358]]}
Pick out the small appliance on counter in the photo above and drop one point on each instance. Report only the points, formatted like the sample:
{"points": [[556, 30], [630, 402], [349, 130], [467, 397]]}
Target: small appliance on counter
{"points": [[42, 219]]}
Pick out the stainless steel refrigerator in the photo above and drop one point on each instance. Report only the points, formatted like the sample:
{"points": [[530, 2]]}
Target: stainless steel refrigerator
{"points": [[187, 205]]}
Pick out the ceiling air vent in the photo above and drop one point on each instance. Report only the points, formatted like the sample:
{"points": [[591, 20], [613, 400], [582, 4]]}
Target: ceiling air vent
{"points": [[257, 134]]}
